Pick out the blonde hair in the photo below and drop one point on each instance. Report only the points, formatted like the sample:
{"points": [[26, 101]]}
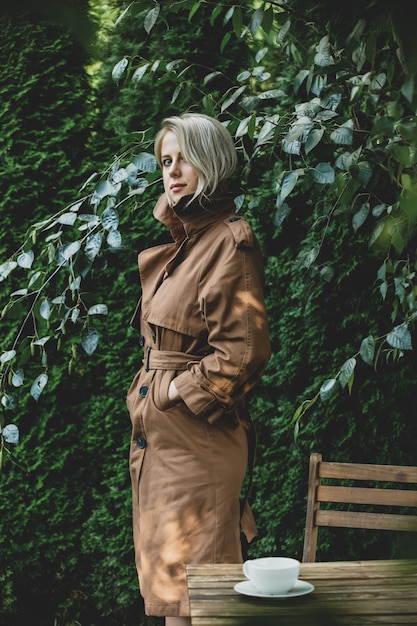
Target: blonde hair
{"points": [[205, 144]]}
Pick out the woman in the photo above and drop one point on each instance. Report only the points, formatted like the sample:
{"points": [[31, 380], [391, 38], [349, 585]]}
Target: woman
{"points": [[205, 336]]}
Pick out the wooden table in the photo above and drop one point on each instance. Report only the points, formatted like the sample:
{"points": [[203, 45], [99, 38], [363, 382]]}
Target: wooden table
{"points": [[354, 593]]}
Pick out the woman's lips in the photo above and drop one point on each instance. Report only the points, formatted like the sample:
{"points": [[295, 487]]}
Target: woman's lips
{"points": [[177, 187]]}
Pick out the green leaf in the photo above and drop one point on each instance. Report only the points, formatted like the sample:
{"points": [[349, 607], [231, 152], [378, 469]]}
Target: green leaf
{"points": [[346, 371], [394, 109], [242, 129], [260, 54], [367, 350], [331, 101], [224, 42], [361, 172], [18, 378], [151, 18], [215, 13], [400, 338], [347, 159], [7, 356], [319, 83], [377, 233], [114, 239], [65, 252], [323, 57], [103, 189], [291, 146], [194, 10], [268, 20], [359, 55], [212, 75], [407, 128], [299, 79], [239, 201], [360, 216], [326, 273], [6, 268], [68, 219], [383, 289], [10, 434], [146, 162], [283, 32], [173, 65], [42, 341], [89, 339], [34, 279], [288, 183], [282, 212], [122, 14], [19, 292], [229, 15], [408, 204], [314, 137], [139, 73], [38, 386], [328, 389], [398, 241], [119, 69], [98, 309], [176, 93], [8, 402], [304, 406], [344, 134], [407, 89], [323, 174], [237, 22], [232, 97], [92, 246], [382, 271], [311, 256], [25, 259], [110, 219], [256, 21]]}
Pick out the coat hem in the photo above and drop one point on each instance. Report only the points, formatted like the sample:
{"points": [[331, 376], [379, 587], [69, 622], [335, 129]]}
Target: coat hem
{"points": [[167, 610]]}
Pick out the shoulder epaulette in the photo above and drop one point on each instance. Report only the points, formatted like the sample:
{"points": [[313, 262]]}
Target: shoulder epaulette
{"points": [[241, 231]]}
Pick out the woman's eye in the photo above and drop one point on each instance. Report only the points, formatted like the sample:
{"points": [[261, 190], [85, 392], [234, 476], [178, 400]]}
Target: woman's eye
{"points": [[166, 162]]}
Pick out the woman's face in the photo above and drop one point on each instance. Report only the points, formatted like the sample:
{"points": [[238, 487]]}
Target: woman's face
{"points": [[180, 179]]}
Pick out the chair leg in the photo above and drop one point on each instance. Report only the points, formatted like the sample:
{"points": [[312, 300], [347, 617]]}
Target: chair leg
{"points": [[311, 530]]}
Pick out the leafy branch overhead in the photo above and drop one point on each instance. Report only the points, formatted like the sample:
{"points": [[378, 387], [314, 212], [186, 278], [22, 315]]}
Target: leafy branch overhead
{"points": [[398, 340], [50, 269], [349, 145], [347, 150]]}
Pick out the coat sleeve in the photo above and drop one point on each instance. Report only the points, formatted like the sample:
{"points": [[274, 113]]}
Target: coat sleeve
{"points": [[231, 299]]}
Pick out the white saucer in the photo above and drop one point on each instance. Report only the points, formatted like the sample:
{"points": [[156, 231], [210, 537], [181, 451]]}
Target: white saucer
{"points": [[301, 588]]}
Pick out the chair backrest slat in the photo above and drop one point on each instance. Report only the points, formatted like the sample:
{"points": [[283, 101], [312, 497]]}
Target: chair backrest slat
{"points": [[367, 495], [365, 471], [376, 521], [362, 495]]}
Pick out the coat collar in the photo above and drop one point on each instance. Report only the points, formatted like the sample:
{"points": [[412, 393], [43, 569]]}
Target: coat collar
{"points": [[185, 220]]}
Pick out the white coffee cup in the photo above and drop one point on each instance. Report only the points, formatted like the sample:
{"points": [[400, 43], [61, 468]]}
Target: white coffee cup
{"points": [[272, 574]]}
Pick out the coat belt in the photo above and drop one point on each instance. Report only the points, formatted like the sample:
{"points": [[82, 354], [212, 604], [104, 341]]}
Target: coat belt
{"points": [[168, 360]]}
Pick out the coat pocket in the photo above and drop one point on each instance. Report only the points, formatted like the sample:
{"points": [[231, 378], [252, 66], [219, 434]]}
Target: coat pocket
{"points": [[162, 402]]}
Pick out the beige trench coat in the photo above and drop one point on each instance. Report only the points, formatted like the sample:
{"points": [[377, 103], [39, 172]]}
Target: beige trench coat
{"points": [[202, 321]]}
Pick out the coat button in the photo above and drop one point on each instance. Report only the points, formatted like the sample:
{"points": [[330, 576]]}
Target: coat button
{"points": [[141, 341], [141, 442], [143, 391], [235, 219]]}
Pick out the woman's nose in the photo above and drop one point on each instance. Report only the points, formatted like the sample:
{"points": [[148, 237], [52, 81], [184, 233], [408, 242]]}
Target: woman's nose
{"points": [[173, 167]]}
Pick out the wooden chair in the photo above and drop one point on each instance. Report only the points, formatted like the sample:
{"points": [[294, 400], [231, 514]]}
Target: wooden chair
{"points": [[356, 495]]}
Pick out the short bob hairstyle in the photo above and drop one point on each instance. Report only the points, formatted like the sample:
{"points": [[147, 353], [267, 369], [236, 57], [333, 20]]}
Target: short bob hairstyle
{"points": [[206, 145]]}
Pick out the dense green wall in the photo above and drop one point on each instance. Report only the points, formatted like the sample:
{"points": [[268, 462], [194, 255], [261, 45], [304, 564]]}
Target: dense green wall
{"points": [[46, 122]]}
